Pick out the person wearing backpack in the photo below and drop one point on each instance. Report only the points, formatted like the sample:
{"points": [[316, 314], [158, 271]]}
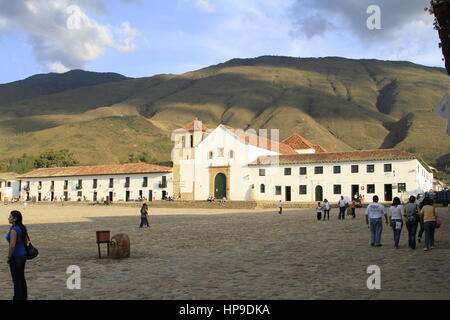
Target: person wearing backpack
{"points": [[411, 211], [17, 238]]}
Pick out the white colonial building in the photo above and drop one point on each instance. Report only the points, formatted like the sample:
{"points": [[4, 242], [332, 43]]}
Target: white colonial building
{"points": [[229, 163], [238, 165], [124, 182], [9, 186]]}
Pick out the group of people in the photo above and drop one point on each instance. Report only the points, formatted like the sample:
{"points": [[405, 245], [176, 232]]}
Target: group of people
{"points": [[212, 199], [412, 214], [343, 205]]}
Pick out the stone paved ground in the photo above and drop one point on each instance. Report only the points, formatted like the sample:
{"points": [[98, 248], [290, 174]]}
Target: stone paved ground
{"points": [[214, 254]]}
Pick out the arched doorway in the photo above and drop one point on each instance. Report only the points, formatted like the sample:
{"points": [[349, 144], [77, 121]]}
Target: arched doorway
{"points": [[220, 186], [319, 193]]}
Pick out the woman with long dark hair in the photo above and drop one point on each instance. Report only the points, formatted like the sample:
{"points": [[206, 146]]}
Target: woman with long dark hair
{"points": [[412, 220], [395, 219], [144, 214], [429, 221], [17, 238]]}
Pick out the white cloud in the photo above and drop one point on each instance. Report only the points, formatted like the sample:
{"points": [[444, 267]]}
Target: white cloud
{"points": [[57, 67], [63, 36], [128, 34], [205, 5]]}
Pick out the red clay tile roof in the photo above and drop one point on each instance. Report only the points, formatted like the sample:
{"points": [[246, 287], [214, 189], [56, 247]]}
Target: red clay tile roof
{"points": [[319, 148], [262, 142], [324, 157], [8, 175], [110, 169], [297, 142], [195, 125]]}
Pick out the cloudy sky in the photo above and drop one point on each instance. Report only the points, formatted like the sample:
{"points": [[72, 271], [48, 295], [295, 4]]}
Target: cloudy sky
{"points": [[140, 38]]}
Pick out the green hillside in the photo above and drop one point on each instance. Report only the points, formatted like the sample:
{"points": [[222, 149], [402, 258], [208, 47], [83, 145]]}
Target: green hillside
{"points": [[341, 104]]}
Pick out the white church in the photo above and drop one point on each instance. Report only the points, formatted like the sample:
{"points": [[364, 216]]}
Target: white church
{"points": [[238, 165]]}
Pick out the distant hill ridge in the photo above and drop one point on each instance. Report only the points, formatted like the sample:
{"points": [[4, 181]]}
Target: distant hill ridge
{"points": [[337, 103], [43, 84]]}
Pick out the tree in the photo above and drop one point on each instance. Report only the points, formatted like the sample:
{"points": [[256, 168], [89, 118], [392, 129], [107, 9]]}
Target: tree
{"points": [[56, 158], [142, 157]]}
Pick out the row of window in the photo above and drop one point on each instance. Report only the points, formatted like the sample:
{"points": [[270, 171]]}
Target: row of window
{"points": [[7, 184], [220, 154], [370, 168], [337, 189], [79, 185]]}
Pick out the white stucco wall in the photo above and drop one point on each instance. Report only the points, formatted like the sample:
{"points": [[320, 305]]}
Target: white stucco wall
{"points": [[119, 190], [404, 173], [240, 178]]}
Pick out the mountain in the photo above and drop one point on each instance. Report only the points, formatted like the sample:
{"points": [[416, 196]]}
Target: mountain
{"points": [[340, 104], [43, 84]]}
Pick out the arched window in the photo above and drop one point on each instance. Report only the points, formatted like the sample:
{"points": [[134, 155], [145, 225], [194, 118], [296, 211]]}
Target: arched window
{"points": [[262, 188], [210, 155], [231, 154]]}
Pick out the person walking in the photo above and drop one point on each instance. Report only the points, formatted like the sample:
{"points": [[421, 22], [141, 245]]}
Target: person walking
{"points": [[326, 209], [144, 214], [412, 220], [17, 238], [375, 212], [395, 219], [429, 221], [280, 207], [354, 209], [342, 204], [422, 227], [319, 210]]}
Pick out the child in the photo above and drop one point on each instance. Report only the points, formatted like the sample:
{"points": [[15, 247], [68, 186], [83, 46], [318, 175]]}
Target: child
{"points": [[319, 209], [354, 209], [326, 209]]}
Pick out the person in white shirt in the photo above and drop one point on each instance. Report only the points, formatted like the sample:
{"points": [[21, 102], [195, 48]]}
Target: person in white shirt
{"points": [[395, 219], [342, 204], [326, 209], [319, 209], [280, 207], [375, 212]]}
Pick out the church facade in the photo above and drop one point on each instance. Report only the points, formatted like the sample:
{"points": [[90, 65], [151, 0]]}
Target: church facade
{"points": [[237, 165]]}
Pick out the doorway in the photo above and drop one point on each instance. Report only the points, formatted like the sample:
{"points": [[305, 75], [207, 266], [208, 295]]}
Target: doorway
{"points": [[110, 196], [355, 190], [127, 195], [288, 193], [388, 192], [319, 193], [53, 196], [150, 195], [164, 195], [39, 196], [95, 196], [220, 186]]}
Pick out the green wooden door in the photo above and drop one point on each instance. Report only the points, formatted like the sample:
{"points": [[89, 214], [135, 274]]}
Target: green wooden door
{"points": [[220, 186], [319, 193]]}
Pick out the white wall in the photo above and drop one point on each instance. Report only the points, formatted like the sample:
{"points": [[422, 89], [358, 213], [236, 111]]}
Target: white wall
{"points": [[11, 192], [102, 189], [240, 177], [404, 173]]}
